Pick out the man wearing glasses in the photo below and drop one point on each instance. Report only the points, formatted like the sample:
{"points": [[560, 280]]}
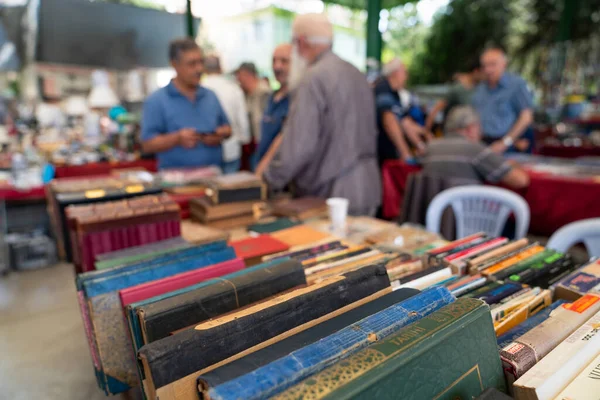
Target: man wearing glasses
{"points": [[184, 123]]}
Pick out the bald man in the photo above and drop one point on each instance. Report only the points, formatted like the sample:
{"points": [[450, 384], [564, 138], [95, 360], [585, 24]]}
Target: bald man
{"points": [[394, 104], [503, 102], [277, 108], [328, 146]]}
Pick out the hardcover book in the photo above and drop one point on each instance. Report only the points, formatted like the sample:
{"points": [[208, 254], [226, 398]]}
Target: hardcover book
{"points": [[274, 376], [274, 226], [547, 378], [238, 187], [387, 368], [509, 262], [302, 208], [499, 252], [228, 223], [503, 257], [221, 340], [306, 252], [527, 325], [108, 329], [253, 249], [181, 309], [379, 259], [200, 234], [523, 312], [140, 253], [300, 235], [206, 211], [522, 354], [586, 385]]}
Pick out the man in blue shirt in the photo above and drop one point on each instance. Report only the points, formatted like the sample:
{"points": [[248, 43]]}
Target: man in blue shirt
{"points": [[503, 102], [184, 123], [277, 108]]}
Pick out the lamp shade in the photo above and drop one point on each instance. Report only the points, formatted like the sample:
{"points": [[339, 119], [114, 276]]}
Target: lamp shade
{"points": [[102, 97], [76, 106]]}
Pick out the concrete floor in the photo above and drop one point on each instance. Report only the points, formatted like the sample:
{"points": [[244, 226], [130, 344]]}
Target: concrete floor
{"points": [[43, 350]]}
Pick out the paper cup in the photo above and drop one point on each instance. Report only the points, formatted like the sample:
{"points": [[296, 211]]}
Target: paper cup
{"points": [[338, 211]]}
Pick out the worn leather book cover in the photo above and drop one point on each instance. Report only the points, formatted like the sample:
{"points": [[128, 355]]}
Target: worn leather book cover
{"points": [[189, 307], [527, 325], [547, 378], [300, 235], [175, 357], [586, 384], [522, 354], [204, 209], [420, 361], [253, 249], [255, 377], [238, 187], [302, 208], [579, 282], [306, 252], [285, 347], [110, 333], [155, 288]]}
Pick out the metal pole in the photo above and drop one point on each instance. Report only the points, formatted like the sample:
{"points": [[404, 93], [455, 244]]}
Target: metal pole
{"points": [[189, 18], [374, 41]]}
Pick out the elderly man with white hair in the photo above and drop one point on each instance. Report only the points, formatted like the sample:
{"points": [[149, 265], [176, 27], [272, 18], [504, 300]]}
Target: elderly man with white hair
{"points": [[394, 104], [328, 146], [461, 154]]}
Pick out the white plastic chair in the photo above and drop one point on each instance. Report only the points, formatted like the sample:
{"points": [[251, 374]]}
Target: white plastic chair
{"points": [[479, 208], [586, 231]]}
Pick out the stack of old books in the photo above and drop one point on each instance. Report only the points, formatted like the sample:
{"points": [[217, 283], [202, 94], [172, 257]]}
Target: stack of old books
{"points": [[105, 227], [324, 317], [230, 201], [61, 193]]}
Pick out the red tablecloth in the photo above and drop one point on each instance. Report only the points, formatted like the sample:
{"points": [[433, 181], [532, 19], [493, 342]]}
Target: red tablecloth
{"points": [[554, 150], [102, 168], [554, 201], [9, 193]]}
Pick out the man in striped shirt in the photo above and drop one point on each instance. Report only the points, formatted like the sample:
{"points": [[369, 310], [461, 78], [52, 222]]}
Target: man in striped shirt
{"points": [[461, 154]]}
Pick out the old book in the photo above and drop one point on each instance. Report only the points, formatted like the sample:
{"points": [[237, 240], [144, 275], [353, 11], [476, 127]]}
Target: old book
{"points": [[253, 249], [496, 294], [499, 252], [266, 377], [386, 369], [140, 253], [523, 312], [347, 267], [228, 223], [547, 378], [505, 307], [175, 282], [274, 226], [273, 353], [503, 257], [458, 261], [579, 282], [206, 211], [306, 252], [336, 256], [527, 325], [509, 262], [490, 285], [424, 278], [586, 385], [522, 354], [435, 256], [181, 356], [547, 256], [200, 234], [302, 208], [187, 307], [110, 333], [361, 255], [300, 235], [232, 188]]}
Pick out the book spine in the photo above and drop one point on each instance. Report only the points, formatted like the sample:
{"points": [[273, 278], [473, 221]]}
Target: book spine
{"points": [[279, 375], [501, 292], [553, 373], [177, 356], [523, 312], [519, 356], [381, 370], [586, 385], [545, 257], [523, 255]]}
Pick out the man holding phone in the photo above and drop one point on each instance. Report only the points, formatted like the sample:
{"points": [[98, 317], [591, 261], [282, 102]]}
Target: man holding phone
{"points": [[184, 123]]}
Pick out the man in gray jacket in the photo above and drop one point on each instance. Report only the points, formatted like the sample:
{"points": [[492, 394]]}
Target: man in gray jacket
{"points": [[329, 140]]}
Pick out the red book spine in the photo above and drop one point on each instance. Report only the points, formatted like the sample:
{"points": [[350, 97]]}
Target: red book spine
{"points": [[179, 281]]}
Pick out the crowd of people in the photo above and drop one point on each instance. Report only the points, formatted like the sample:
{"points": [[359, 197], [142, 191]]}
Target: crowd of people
{"points": [[326, 131]]}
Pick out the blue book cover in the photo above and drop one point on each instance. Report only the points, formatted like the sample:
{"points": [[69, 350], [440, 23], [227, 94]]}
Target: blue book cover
{"points": [[279, 375], [527, 325], [117, 363], [184, 253]]}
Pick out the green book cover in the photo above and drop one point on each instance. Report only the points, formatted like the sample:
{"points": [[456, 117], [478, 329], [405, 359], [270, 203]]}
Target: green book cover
{"points": [[450, 354], [134, 258]]}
